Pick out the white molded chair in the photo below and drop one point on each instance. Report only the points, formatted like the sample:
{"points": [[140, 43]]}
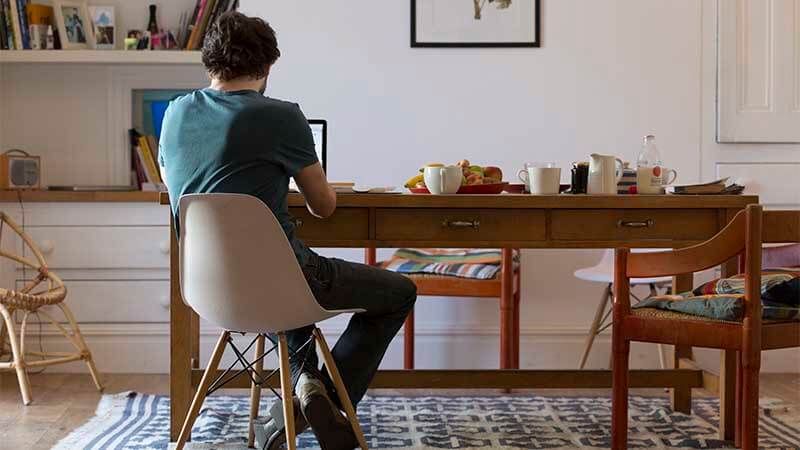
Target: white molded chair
{"points": [[238, 271], [603, 272]]}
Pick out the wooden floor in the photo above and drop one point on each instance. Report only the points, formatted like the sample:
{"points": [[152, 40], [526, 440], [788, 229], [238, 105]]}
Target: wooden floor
{"points": [[62, 402]]}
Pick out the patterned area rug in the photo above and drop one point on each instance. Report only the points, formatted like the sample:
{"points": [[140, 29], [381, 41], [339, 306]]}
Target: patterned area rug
{"points": [[138, 421]]}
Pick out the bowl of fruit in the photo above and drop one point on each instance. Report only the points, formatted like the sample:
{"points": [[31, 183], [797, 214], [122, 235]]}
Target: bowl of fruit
{"points": [[475, 179]]}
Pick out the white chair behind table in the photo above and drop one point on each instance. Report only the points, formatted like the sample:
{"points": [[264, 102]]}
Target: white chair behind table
{"points": [[238, 272], [603, 272]]}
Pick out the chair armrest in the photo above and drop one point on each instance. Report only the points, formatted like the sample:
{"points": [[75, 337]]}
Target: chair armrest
{"points": [[726, 244]]}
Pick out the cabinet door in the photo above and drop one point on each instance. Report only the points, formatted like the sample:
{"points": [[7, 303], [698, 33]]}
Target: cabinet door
{"points": [[759, 71]]}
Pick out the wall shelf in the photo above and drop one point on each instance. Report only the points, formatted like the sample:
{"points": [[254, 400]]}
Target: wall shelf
{"points": [[83, 196], [99, 57]]}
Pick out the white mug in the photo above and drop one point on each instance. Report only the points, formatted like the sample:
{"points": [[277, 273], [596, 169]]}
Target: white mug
{"points": [[652, 180], [443, 180], [541, 178], [665, 176]]}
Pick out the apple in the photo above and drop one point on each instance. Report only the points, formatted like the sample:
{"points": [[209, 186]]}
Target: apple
{"points": [[494, 173], [474, 178]]}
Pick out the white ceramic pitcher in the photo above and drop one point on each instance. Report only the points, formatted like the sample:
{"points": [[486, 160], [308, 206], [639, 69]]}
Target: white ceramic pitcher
{"points": [[605, 171]]}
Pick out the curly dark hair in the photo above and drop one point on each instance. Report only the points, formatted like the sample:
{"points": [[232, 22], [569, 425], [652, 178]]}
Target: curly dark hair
{"points": [[237, 46]]}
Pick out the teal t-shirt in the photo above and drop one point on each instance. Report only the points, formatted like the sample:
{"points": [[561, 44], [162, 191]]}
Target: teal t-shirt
{"points": [[236, 142]]}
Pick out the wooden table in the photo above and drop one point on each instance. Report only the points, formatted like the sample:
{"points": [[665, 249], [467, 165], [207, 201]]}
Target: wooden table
{"points": [[495, 221]]}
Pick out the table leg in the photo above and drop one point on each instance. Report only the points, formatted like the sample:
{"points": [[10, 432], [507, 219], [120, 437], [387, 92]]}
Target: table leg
{"points": [[517, 297], [681, 398], [180, 339], [506, 309]]}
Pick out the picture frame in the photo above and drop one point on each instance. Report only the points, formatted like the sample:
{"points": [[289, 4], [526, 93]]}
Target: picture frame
{"points": [[74, 24], [104, 26], [475, 23]]}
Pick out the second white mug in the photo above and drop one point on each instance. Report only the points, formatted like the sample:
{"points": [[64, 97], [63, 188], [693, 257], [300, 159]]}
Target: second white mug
{"points": [[541, 179]]}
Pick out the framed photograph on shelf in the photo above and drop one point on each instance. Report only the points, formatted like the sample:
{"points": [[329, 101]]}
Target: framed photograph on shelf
{"points": [[74, 24], [475, 23], [104, 27]]}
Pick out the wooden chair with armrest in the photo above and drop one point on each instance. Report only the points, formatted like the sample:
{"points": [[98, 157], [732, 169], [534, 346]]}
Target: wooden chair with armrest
{"points": [[742, 237], [505, 287]]}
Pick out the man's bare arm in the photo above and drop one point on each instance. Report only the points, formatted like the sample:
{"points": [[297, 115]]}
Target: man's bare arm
{"points": [[319, 195]]}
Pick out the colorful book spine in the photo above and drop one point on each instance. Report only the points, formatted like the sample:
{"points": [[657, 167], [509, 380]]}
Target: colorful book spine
{"points": [[23, 24], [196, 28], [204, 25], [150, 166], [13, 19], [3, 31]]}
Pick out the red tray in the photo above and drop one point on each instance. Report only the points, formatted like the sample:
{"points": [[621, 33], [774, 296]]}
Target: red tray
{"points": [[495, 188]]}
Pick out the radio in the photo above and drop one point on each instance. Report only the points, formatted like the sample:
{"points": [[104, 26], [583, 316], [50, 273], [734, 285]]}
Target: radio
{"points": [[20, 170]]}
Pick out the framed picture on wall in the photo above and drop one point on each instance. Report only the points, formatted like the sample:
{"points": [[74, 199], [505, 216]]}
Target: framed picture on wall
{"points": [[475, 23], [74, 24]]}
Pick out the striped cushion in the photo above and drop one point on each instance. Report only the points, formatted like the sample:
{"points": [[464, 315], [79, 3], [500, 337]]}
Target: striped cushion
{"points": [[479, 264], [723, 299]]}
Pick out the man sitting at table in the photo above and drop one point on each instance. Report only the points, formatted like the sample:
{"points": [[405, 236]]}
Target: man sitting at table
{"points": [[230, 138]]}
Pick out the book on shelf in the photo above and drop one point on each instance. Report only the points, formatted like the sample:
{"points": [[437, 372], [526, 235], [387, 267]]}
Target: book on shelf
{"points": [[144, 159], [3, 28], [13, 25], [22, 17], [206, 13]]}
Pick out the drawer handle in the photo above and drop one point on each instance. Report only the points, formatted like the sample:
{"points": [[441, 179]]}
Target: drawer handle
{"points": [[163, 247], [636, 223], [297, 222], [474, 224]]}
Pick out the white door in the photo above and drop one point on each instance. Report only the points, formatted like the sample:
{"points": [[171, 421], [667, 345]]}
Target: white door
{"points": [[759, 71]]}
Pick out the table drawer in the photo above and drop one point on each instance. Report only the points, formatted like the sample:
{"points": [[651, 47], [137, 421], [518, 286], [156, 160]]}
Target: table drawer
{"points": [[485, 225], [633, 224], [344, 224]]}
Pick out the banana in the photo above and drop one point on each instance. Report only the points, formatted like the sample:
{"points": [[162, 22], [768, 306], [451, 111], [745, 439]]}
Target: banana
{"points": [[412, 182]]}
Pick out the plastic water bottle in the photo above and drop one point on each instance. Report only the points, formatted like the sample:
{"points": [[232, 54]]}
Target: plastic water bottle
{"points": [[648, 168]]}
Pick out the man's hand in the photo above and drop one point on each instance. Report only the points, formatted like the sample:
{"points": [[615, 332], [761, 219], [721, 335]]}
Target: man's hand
{"points": [[319, 195]]}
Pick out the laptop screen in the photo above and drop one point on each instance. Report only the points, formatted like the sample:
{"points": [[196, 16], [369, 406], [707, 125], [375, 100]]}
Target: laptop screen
{"points": [[319, 128]]}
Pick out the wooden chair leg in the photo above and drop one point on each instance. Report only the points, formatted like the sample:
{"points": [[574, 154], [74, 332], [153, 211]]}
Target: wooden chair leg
{"points": [[82, 347], [255, 391], [341, 391], [202, 390], [408, 341], [506, 308], [738, 408], [750, 370], [286, 392], [727, 395], [18, 354], [598, 317], [619, 395]]}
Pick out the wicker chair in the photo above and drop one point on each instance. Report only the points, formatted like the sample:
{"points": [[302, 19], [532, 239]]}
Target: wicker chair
{"points": [[38, 296]]}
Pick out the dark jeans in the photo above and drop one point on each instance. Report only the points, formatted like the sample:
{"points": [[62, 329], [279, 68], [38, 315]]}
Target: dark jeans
{"points": [[386, 297]]}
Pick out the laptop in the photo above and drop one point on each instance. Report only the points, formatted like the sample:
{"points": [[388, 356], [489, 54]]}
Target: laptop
{"points": [[319, 129]]}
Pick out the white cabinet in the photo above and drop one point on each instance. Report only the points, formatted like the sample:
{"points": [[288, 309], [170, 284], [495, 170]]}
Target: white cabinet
{"points": [[113, 257], [758, 96]]}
